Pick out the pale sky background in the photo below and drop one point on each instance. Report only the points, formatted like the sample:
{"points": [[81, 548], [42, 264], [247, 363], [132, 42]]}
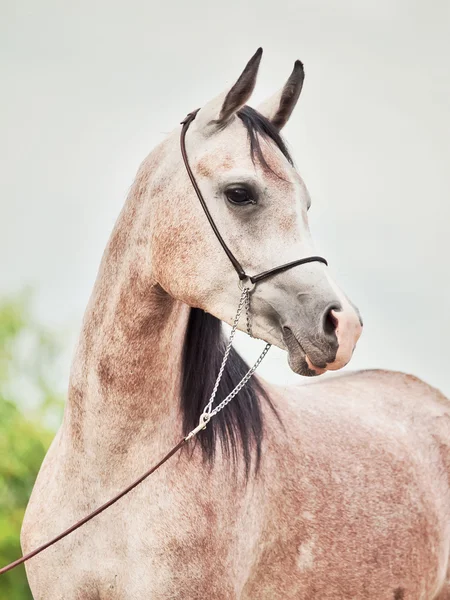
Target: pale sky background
{"points": [[90, 87]]}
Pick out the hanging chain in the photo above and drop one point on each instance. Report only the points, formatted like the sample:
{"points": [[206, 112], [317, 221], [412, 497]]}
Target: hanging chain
{"points": [[209, 412], [246, 294], [242, 304], [243, 381]]}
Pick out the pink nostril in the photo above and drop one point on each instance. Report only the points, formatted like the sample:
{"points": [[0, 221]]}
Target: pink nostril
{"points": [[330, 320]]}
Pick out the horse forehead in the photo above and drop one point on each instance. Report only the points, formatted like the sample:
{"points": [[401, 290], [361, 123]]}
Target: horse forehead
{"points": [[279, 170], [215, 162], [220, 159]]}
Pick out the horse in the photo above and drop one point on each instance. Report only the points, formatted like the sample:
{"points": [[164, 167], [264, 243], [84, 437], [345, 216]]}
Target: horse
{"points": [[337, 488]]}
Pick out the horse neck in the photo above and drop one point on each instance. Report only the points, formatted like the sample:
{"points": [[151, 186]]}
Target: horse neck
{"points": [[125, 378]]}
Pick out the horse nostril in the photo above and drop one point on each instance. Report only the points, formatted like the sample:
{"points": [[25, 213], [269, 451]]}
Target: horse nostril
{"points": [[330, 321]]}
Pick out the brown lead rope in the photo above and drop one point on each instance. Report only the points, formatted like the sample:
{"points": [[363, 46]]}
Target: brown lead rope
{"points": [[204, 420], [96, 512]]}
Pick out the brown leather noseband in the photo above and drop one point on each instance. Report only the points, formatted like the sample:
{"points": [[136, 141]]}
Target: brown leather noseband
{"points": [[234, 261]]}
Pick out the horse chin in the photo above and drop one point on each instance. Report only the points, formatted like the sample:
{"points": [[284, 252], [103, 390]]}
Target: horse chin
{"points": [[298, 360]]}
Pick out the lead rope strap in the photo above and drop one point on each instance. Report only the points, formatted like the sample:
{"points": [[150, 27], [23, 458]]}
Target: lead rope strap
{"points": [[208, 412]]}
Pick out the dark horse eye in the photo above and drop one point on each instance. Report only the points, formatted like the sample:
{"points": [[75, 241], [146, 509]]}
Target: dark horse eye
{"points": [[239, 195]]}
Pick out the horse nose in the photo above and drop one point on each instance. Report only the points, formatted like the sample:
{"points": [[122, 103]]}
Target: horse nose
{"points": [[330, 320], [344, 325]]}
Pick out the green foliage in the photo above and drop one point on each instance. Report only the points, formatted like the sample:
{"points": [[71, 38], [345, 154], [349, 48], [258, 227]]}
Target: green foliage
{"points": [[30, 408]]}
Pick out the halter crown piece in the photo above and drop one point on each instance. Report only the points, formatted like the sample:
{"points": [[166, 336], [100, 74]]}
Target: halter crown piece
{"points": [[209, 411], [234, 261]]}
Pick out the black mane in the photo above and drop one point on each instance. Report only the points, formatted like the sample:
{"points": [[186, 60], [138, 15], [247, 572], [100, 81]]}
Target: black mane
{"points": [[239, 427]]}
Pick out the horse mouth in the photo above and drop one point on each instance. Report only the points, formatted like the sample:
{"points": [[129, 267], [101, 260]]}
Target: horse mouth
{"points": [[298, 359]]}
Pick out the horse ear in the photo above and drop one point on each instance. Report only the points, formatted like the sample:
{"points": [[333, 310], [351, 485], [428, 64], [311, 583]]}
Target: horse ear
{"points": [[220, 110], [279, 107]]}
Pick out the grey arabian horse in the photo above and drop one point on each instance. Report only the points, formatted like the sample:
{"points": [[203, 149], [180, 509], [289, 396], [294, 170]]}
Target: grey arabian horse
{"points": [[331, 490]]}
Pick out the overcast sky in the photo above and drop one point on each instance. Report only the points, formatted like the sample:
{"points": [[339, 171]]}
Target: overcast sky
{"points": [[89, 87]]}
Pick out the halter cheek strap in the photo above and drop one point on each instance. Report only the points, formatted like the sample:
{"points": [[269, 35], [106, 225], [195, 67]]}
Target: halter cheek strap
{"points": [[234, 261]]}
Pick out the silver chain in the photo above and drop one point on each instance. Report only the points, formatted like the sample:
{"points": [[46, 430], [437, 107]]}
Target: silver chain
{"points": [[243, 381], [242, 302], [208, 413], [246, 294]]}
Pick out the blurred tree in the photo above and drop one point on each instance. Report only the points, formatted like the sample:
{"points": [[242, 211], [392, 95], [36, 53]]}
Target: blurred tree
{"points": [[30, 409]]}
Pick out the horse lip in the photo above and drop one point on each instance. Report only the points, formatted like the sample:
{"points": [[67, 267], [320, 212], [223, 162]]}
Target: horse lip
{"points": [[299, 360]]}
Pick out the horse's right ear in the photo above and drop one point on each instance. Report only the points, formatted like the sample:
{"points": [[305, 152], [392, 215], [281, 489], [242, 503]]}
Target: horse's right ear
{"points": [[279, 107], [218, 112]]}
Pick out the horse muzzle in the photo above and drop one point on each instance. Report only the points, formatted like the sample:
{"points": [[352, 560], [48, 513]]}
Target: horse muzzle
{"points": [[322, 340]]}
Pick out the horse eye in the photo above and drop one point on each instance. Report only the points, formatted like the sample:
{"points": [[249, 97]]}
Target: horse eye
{"points": [[239, 195]]}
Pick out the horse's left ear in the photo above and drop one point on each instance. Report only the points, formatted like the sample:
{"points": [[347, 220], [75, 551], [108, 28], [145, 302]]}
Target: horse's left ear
{"points": [[279, 107], [219, 111]]}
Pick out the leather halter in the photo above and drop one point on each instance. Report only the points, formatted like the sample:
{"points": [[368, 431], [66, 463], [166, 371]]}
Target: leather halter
{"points": [[234, 261]]}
